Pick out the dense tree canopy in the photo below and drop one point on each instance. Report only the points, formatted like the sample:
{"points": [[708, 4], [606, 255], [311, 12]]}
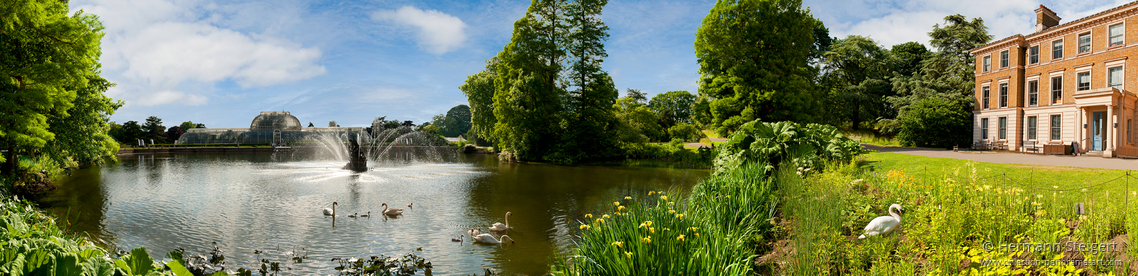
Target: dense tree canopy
{"points": [[47, 57], [949, 72], [753, 57], [676, 105], [857, 69]]}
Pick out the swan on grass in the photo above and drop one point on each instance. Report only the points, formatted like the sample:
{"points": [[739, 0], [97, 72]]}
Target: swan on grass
{"points": [[392, 212], [498, 226], [487, 238], [331, 211], [884, 224]]}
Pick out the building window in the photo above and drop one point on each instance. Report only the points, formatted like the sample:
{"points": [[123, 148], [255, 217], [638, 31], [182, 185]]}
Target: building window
{"points": [[1114, 77], [1033, 93], [1084, 81], [1085, 43], [984, 96], [1031, 127], [987, 63], [1056, 90], [1034, 54], [984, 129], [1003, 59], [1003, 95], [1056, 127], [1003, 128], [1057, 49], [1116, 33]]}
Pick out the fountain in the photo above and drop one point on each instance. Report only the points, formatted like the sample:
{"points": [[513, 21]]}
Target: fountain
{"points": [[356, 160]]}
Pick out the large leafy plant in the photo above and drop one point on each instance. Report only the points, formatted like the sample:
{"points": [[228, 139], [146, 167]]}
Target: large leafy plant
{"points": [[784, 143]]}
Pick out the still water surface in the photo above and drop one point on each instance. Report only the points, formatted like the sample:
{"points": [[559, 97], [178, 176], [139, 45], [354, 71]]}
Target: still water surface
{"points": [[265, 201]]}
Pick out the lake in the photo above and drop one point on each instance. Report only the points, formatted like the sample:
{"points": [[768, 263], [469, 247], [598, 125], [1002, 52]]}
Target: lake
{"points": [[273, 202]]}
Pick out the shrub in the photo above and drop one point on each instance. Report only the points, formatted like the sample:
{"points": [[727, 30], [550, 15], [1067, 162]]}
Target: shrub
{"points": [[685, 131], [935, 122], [775, 143]]}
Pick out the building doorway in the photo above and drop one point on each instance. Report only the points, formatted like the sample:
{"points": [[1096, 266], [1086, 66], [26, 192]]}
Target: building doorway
{"points": [[1097, 130]]}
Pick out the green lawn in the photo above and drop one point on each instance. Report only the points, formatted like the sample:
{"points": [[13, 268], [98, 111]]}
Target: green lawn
{"points": [[952, 209]]}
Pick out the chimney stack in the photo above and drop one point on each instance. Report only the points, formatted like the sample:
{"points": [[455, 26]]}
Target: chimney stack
{"points": [[1045, 18]]}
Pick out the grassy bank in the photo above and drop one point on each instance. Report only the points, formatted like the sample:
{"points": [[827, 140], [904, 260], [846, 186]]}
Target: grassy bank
{"points": [[957, 213]]}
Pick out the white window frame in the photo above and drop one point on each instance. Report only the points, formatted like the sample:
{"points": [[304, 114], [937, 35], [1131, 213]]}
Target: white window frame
{"points": [[1122, 37], [1003, 94], [1051, 88], [984, 129], [1002, 128], [1061, 47], [1033, 58], [1090, 43], [1030, 95], [1079, 83], [988, 63], [1005, 59], [1052, 127], [1032, 128], [985, 96], [1122, 84]]}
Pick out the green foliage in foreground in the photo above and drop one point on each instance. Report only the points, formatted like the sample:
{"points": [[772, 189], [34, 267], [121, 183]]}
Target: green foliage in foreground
{"points": [[34, 245], [805, 146], [713, 232]]}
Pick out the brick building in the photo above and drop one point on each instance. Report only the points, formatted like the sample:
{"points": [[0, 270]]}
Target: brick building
{"points": [[1064, 83]]}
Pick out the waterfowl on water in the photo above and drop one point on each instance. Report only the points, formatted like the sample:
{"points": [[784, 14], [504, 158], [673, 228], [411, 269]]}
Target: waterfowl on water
{"points": [[352, 215], [331, 211], [487, 238], [498, 226], [473, 232], [392, 212], [366, 215], [884, 224], [458, 239]]}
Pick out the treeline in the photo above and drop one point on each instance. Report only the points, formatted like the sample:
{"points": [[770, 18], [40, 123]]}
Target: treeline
{"points": [[544, 96], [151, 131]]}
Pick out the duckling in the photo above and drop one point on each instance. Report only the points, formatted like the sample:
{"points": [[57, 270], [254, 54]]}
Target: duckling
{"points": [[366, 215], [353, 215], [458, 239]]}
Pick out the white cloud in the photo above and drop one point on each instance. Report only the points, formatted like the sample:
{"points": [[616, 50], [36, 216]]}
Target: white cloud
{"points": [[438, 32], [169, 45], [173, 97]]}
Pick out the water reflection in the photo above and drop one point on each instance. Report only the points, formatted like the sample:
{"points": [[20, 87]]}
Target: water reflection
{"points": [[262, 201]]}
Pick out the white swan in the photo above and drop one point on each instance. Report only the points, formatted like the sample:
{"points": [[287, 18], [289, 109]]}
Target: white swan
{"points": [[392, 212], [884, 224], [498, 226], [487, 238], [331, 211]]}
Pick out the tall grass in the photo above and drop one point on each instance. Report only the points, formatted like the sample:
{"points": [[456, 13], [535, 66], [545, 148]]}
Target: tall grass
{"points": [[956, 215], [713, 232]]}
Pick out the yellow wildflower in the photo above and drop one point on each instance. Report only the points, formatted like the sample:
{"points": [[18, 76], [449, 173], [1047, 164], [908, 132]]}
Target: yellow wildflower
{"points": [[652, 230], [651, 192], [642, 225], [671, 211], [646, 239], [666, 229], [697, 234], [629, 254], [618, 244], [628, 197], [671, 203], [605, 216], [600, 221], [588, 216], [584, 226], [680, 216], [664, 197], [616, 213], [693, 229], [616, 204], [621, 208], [680, 238]]}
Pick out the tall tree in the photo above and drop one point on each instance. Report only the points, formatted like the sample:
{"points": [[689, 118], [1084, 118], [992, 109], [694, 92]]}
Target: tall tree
{"points": [[154, 129], [637, 95], [45, 56], [677, 103], [479, 90], [82, 133], [457, 122], [907, 58], [187, 125], [528, 97], [132, 131], [753, 57], [950, 72], [590, 129], [858, 69]]}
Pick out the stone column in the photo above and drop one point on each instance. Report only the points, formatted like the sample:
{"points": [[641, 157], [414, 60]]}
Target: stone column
{"points": [[1110, 135]]}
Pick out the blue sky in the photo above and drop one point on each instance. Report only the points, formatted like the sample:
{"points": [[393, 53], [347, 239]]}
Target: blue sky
{"points": [[222, 62]]}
